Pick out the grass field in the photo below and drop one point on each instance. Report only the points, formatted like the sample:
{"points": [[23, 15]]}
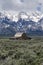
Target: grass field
{"points": [[21, 52]]}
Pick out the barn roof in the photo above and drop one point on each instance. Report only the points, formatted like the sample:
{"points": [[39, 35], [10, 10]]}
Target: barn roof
{"points": [[19, 34]]}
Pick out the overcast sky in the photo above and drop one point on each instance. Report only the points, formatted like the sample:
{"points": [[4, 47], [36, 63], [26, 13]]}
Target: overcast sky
{"points": [[21, 5]]}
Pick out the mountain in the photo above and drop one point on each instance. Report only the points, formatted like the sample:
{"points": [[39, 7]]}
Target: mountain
{"points": [[31, 23]]}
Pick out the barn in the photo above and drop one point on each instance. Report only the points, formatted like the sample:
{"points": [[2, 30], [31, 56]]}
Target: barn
{"points": [[20, 36]]}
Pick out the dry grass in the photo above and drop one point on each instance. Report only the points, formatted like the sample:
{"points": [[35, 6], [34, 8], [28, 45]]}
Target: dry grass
{"points": [[21, 52]]}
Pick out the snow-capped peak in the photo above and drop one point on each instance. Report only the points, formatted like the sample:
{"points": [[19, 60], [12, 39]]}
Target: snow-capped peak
{"points": [[35, 16], [15, 16]]}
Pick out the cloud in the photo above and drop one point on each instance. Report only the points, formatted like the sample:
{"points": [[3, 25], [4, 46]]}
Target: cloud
{"points": [[20, 5]]}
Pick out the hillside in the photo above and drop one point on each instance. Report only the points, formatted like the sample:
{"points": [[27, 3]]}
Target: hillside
{"points": [[27, 22]]}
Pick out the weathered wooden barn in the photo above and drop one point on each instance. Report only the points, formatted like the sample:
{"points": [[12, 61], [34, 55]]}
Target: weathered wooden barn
{"points": [[20, 36]]}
